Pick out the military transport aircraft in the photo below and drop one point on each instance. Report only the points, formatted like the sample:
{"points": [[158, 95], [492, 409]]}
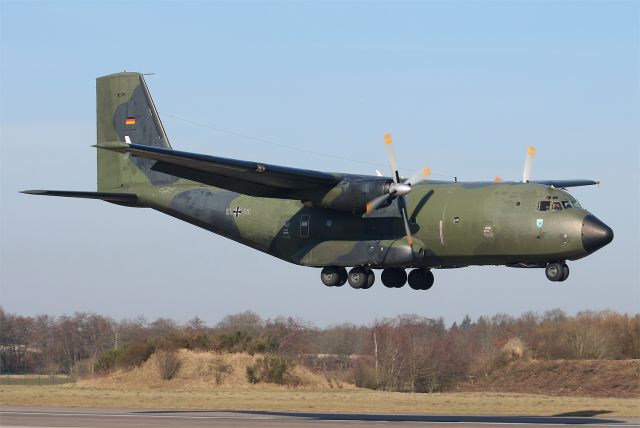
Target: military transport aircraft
{"points": [[334, 220]]}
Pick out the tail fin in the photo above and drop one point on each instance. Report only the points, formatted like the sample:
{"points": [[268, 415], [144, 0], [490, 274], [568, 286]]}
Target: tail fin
{"points": [[125, 108]]}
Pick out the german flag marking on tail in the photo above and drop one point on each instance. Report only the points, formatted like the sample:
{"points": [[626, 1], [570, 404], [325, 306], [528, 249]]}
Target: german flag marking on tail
{"points": [[130, 121]]}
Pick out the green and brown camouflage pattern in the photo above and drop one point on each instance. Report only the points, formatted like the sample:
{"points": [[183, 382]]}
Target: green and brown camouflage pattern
{"points": [[454, 224]]}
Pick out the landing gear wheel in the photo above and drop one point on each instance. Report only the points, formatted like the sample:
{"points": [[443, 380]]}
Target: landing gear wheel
{"points": [[421, 279], [333, 276], [394, 277], [555, 271], [343, 277], [565, 272], [371, 278], [361, 277]]}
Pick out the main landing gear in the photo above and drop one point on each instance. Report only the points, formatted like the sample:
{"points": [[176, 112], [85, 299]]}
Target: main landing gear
{"points": [[362, 277], [557, 271], [333, 276]]}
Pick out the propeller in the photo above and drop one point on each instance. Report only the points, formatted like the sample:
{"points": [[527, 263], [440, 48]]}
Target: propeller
{"points": [[398, 189], [528, 164]]}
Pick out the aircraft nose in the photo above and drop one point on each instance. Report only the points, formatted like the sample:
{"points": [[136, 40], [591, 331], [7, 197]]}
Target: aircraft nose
{"points": [[595, 234]]}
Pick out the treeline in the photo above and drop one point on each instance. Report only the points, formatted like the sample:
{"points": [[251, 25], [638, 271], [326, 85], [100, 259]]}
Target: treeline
{"points": [[406, 353]]}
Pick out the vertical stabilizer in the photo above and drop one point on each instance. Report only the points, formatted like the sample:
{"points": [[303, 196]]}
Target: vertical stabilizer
{"points": [[124, 107]]}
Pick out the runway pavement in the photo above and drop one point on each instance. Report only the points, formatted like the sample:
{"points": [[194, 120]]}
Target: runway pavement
{"points": [[29, 416]]}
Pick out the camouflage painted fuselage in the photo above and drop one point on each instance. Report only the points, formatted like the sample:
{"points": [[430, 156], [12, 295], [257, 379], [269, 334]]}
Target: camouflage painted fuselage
{"points": [[455, 224]]}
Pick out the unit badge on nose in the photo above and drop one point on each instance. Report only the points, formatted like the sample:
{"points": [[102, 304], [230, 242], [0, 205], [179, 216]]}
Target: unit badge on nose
{"points": [[539, 223]]}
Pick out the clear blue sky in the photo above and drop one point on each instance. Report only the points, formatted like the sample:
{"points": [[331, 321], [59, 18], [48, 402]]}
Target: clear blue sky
{"points": [[464, 86]]}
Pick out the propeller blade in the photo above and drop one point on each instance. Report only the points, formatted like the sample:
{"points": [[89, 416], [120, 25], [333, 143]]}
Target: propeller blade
{"points": [[377, 203], [388, 145], [402, 203], [419, 176], [528, 164]]}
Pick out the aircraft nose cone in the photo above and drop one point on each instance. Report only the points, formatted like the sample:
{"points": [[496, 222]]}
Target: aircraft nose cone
{"points": [[595, 234]]}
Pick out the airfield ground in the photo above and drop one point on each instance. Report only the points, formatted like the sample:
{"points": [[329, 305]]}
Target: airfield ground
{"points": [[275, 398]]}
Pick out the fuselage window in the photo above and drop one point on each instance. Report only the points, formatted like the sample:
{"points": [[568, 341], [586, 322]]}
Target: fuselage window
{"points": [[566, 204], [556, 206], [544, 205]]}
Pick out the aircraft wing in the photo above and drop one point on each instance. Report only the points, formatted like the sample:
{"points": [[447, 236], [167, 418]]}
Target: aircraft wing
{"points": [[566, 183], [249, 178]]}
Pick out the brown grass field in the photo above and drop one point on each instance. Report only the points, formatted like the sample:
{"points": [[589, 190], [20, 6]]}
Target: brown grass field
{"points": [[276, 398]]}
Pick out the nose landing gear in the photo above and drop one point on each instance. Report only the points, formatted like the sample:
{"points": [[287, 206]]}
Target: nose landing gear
{"points": [[557, 272]]}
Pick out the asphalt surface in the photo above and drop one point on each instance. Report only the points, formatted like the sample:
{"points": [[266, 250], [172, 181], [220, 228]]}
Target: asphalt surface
{"points": [[29, 416]]}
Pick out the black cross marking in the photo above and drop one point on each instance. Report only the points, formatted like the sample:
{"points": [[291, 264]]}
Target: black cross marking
{"points": [[237, 211]]}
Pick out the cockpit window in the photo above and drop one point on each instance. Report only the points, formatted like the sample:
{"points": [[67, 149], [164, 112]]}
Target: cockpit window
{"points": [[576, 204], [566, 204], [544, 205], [556, 206]]}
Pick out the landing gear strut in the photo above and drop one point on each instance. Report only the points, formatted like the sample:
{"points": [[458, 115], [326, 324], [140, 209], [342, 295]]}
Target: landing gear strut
{"points": [[361, 277], [421, 279], [333, 276], [557, 272]]}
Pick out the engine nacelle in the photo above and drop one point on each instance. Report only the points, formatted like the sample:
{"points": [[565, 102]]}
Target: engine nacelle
{"points": [[353, 194]]}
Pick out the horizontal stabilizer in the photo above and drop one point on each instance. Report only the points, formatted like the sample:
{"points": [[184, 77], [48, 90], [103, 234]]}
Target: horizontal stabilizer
{"points": [[128, 199], [566, 183]]}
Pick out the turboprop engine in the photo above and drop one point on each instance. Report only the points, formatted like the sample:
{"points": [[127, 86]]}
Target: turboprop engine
{"points": [[353, 195], [370, 194]]}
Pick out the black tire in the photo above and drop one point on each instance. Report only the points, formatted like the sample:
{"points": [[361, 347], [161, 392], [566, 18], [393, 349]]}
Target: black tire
{"points": [[358, 278], [565, 272], [330, 276], [430, 279], [394, 277], [402, 278], [343, 277], [371, 278], [421, 279], [554, 272]]}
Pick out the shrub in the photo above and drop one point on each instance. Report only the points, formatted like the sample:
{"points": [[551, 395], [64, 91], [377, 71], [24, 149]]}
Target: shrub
{"points": [[130, 355], [270, 369], [107, 361], [220, 370], [252, 377], [364, 376], [135, 354], [167, 363]]}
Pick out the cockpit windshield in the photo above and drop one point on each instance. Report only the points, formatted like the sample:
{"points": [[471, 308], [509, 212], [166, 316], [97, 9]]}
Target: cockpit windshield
{"points": [[558, 205]]}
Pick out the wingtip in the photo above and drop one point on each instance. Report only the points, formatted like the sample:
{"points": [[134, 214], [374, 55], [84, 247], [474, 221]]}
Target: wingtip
{"points": [[33, 192]]}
